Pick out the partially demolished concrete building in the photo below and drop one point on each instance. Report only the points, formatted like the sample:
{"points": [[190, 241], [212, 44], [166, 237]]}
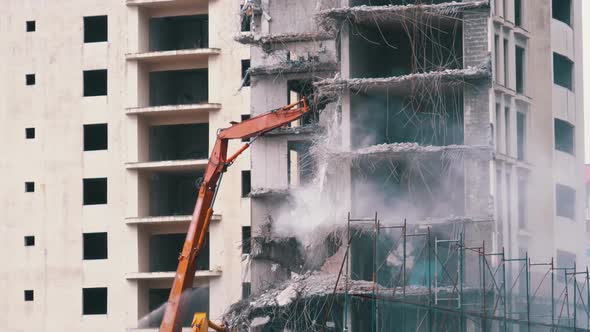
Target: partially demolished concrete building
{"points": [[462, 118]]}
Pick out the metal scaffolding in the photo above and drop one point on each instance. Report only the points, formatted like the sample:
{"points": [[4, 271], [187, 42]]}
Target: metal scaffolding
{"points": [[425, 279]]}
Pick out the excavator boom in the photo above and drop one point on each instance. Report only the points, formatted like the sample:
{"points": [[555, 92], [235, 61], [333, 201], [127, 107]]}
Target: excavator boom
{"points": [[218, 163]]}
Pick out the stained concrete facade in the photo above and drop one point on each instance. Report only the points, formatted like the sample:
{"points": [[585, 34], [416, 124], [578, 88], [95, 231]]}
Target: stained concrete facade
{"points": [[150, 141], [512, 112]]}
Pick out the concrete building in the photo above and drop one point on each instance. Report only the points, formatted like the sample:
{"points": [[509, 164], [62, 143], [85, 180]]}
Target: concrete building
{"points": [[109, 109], [491, 92]]}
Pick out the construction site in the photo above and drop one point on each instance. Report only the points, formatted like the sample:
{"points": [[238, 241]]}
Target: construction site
{"points": [[387, 165]]}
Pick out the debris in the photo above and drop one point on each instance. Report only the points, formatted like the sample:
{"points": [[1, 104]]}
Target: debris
{"points": [[269, 192], [260, 321]]}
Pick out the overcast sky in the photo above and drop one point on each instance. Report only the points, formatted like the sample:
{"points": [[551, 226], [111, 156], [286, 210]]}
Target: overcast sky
{"points": [[586, 38]]}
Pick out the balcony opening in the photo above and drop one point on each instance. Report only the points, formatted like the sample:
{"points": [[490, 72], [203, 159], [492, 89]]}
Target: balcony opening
{"points": [[246, 239], [388, 50], [497, 58], [95, 191], [562, 10], [95, 137], [394, 118], [95, 29], [565, 201], [173, 194], [165, 248], [179, 87], [245, 19], [301, 163], [94, 301], [564, 136], [520, 69], [196, 299], [95, 83], [95, 246], [179, 33], [399, 184], [563, 71], [179, 142]]}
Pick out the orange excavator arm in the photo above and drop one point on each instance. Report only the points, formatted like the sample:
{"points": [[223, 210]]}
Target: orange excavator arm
{"points": [[218, 163]]}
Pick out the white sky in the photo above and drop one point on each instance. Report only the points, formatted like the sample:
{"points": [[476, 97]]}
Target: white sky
{"points": [[586, 67]]}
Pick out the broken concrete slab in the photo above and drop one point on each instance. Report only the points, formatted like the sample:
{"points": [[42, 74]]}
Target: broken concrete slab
{"points": [[391, 14], [294, 67], [430, 80]]}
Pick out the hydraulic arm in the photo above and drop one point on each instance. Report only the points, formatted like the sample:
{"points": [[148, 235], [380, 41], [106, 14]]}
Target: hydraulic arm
{"points": [[218, 164]]}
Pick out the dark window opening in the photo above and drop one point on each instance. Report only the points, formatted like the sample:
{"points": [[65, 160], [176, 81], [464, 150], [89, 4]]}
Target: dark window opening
{"points": [[179, 87], [30, 133], [506, 65], [30, 79], [301, 165], [95, 29], [179, 33], [246, 239], [520, 69], [95, 137], [29, 241], [95, 191], [565, 201], [31, 26], [299, 89], [562, 10], [246, 19], [95, 83], [520, 135], [497, 57], [564, 136], [508, 130], [245, 117], [522, 202], [563, 71], [246, 81], [246, 290], [173, 194], [29, 187], [165, 248], [94, 301], [179, 142], [29, 295], [518, 10], [197, 300], [95, 246], [246, 183]]}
